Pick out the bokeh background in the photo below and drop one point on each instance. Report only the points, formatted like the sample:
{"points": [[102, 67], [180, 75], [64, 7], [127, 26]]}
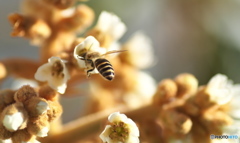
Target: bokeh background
{"points": [[201, 37]]}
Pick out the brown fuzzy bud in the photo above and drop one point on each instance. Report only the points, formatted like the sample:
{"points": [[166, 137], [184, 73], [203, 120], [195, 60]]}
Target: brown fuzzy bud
{"points": [[22, 136], [55, 110], [167, 89], [6, 98], [36, 106], [176, 122], [14, 117], [48, 93], [24, 93], [38, 126], [187, 84], [4, 133], [203, 100]]}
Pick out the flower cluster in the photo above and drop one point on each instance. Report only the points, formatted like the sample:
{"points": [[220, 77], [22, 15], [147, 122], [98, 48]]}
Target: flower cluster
{"points": [[71, 54], [26, 114], [198, 111]]}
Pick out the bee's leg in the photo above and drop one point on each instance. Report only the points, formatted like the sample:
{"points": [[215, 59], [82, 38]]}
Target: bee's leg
{"points": [[89, 72], [92, 68]]}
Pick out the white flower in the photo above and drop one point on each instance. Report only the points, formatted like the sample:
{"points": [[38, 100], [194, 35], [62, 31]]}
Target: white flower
{"points": [[89, 45], [234, 106], [13, 122], [120, 130], [140, 50], [220, 89], [143, 91], [55, 72], [111, 24]]}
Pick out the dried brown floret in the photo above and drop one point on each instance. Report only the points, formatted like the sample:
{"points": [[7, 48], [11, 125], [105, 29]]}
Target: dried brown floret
{"points": [[25, 93], [14, 117], [39, 126], [36, 106], [29, 27], [55, 110], [6, 98], [48, 93], [22, 136]]}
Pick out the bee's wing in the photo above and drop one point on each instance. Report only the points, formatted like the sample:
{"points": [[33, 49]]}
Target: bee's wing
{"points": [[113, 51]]}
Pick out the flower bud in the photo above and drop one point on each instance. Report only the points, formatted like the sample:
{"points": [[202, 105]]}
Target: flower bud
{"points": [[187, 84], [167, 89]]}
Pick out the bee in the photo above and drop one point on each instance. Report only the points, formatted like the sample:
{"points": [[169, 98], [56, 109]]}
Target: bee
{"points": [[95, 60]]}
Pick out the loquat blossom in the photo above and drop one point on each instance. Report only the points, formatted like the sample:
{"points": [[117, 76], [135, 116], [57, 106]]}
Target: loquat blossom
{"points": [[90, 45], [234, 106], [55, 73], [121, 130], [140, 51], [14, 121], [111, 24], [220, 89], [143, 91]]}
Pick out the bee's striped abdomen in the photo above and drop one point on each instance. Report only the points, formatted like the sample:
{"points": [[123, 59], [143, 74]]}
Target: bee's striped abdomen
{"points": [[105, 68]]}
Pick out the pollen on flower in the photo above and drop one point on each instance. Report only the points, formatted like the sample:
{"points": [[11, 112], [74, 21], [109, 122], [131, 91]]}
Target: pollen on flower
{"points": [[55, 73], [57, 69], [120, 129]]}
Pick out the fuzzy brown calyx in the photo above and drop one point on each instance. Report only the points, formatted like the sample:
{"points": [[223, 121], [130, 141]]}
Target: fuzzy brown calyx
{"points": [[24, 93], [48, 93], [6, 98]]}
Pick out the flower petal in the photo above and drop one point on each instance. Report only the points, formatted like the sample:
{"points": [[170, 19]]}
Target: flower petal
{"points": [[140, 50], [105, 134], [219, 88], [43, 72], [116, 117], [111, 24]]}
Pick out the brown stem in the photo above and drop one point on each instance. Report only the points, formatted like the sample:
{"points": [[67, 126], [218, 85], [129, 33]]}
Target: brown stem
{"points": [[88, 125], [24, 68]]}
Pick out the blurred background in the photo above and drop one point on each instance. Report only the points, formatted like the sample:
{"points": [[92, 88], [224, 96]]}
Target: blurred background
{"points": [[201, 37]]}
